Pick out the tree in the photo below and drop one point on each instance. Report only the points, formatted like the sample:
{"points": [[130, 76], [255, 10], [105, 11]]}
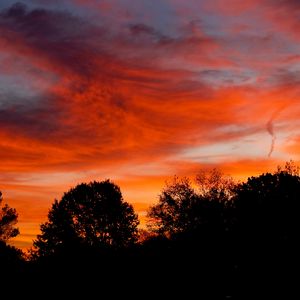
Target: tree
{"points": [[182, 208], [268, 206], [171, 214], [92, 215], [266, 227], [8, 219], [213, 184], [11, 259]]}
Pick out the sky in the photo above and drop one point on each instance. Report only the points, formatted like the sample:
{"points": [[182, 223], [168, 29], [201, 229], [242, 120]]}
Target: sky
{"points": [[137, 91]]}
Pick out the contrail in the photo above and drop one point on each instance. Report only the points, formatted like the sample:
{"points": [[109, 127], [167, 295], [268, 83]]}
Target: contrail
{"points": [[270, 129]]}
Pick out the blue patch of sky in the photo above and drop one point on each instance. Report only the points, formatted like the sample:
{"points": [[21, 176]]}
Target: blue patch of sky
{"points": [[228, 77], [53, 4], [16, 90], [157, 14], [58, 5], [62, 5], [6, 3]]}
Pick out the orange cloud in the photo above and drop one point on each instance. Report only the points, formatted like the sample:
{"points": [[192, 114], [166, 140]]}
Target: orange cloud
{"points": [[96, 93]]}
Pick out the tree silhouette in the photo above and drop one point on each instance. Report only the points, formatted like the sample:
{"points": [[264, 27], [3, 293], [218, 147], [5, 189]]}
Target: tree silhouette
{"points": [[266, 229], [171, 214], [268, 206], [8, 219], [192, 222], [93, 215], [213, 184], [182, 208], [10, 258]]}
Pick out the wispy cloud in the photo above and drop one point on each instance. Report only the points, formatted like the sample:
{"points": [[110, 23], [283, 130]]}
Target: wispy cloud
{"points": [[101, 88]]}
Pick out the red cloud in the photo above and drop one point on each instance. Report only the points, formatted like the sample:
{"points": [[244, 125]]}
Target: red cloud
{"points": [[126, 100]]}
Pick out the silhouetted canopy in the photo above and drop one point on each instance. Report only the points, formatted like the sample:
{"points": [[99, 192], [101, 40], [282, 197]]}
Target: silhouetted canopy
{"points": [[183, 208], [92, 214], [8, 219], [268, 206]]}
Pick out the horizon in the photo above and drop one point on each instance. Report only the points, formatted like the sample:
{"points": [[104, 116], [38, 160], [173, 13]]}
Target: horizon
{"points": [[137, 92]]}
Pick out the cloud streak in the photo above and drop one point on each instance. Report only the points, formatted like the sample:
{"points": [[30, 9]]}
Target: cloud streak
{"points": [[270, 129]]}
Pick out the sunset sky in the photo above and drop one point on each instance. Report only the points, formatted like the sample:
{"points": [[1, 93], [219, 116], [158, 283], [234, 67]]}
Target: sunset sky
{"points": [[138, 91]]}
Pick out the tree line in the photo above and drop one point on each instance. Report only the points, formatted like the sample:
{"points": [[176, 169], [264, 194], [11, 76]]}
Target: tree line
{"points": [[208, 235]]}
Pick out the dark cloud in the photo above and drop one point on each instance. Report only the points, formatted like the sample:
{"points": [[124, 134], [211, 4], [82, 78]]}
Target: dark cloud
{"points": [[15, 11], [285, 77], [293, 4], [142, 29], [39, 120], [57, 36]]}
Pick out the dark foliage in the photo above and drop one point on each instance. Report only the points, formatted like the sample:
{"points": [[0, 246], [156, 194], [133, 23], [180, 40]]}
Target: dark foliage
{"points": [[235, 238], [267, 229], [212, 240], [10, 257], [182, 209], [8, 219], [267, 207], [89, 215]]}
